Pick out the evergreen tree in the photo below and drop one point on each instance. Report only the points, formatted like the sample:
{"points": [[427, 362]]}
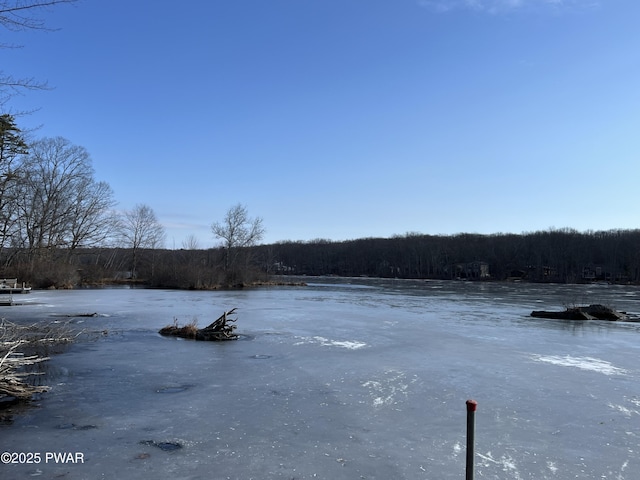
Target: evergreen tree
{"points": [[12, 148]]}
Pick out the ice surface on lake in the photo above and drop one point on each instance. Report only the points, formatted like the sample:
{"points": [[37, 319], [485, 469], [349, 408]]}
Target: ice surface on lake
{"points": [[344, 379], [390, 388]]}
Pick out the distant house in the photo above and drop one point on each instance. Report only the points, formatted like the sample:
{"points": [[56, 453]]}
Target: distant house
{"points": [[478, 269], [596, 273], [541, 273], [281, 269], [472, 270], [592, 273]]}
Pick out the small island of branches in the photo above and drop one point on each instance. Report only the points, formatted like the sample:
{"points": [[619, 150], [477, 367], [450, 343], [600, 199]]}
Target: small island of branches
{"points": [[220, 330]]}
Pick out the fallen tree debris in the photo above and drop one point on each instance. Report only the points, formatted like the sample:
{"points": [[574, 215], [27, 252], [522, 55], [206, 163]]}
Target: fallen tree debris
{"points": [[591, 312], [219, 330], [22, 347], [12, 384]]}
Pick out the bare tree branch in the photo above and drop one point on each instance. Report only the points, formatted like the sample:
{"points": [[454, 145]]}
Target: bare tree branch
{"points": [[14, 14]]}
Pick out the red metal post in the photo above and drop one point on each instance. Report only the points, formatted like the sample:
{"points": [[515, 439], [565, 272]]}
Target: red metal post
{"points": [[471, 433]]}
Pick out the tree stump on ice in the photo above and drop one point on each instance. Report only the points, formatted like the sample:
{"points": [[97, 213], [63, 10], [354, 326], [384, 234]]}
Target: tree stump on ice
{"points": [[218, 331]]}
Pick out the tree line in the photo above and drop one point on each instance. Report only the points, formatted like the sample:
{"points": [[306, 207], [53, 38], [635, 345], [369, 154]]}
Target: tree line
{"points": [[59, 225], [555, 255]]}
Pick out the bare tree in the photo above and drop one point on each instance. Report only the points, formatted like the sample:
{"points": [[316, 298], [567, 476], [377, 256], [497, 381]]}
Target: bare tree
{"points": [[191, 243], [92, 219], [18, 15], [237, 229], [237, 232], [140, 229], [50, 179]]}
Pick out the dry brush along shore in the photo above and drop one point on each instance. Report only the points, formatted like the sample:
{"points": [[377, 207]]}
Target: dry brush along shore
{"points": [[219, 330], [22, 348]]}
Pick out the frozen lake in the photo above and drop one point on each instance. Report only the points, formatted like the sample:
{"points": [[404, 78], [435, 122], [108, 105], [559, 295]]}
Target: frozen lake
{"points": [[341, 379]]}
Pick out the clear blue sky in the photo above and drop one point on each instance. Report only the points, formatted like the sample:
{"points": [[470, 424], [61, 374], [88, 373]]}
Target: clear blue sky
{"points": [[345, 119]]}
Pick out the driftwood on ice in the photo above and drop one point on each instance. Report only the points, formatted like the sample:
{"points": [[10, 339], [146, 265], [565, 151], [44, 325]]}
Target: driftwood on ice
{"points": [[22, 348], [591, 312], [217, 331]]}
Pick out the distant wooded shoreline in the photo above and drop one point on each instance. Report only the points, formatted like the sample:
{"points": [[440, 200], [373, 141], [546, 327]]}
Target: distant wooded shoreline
{"points": [[555, 255]]}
